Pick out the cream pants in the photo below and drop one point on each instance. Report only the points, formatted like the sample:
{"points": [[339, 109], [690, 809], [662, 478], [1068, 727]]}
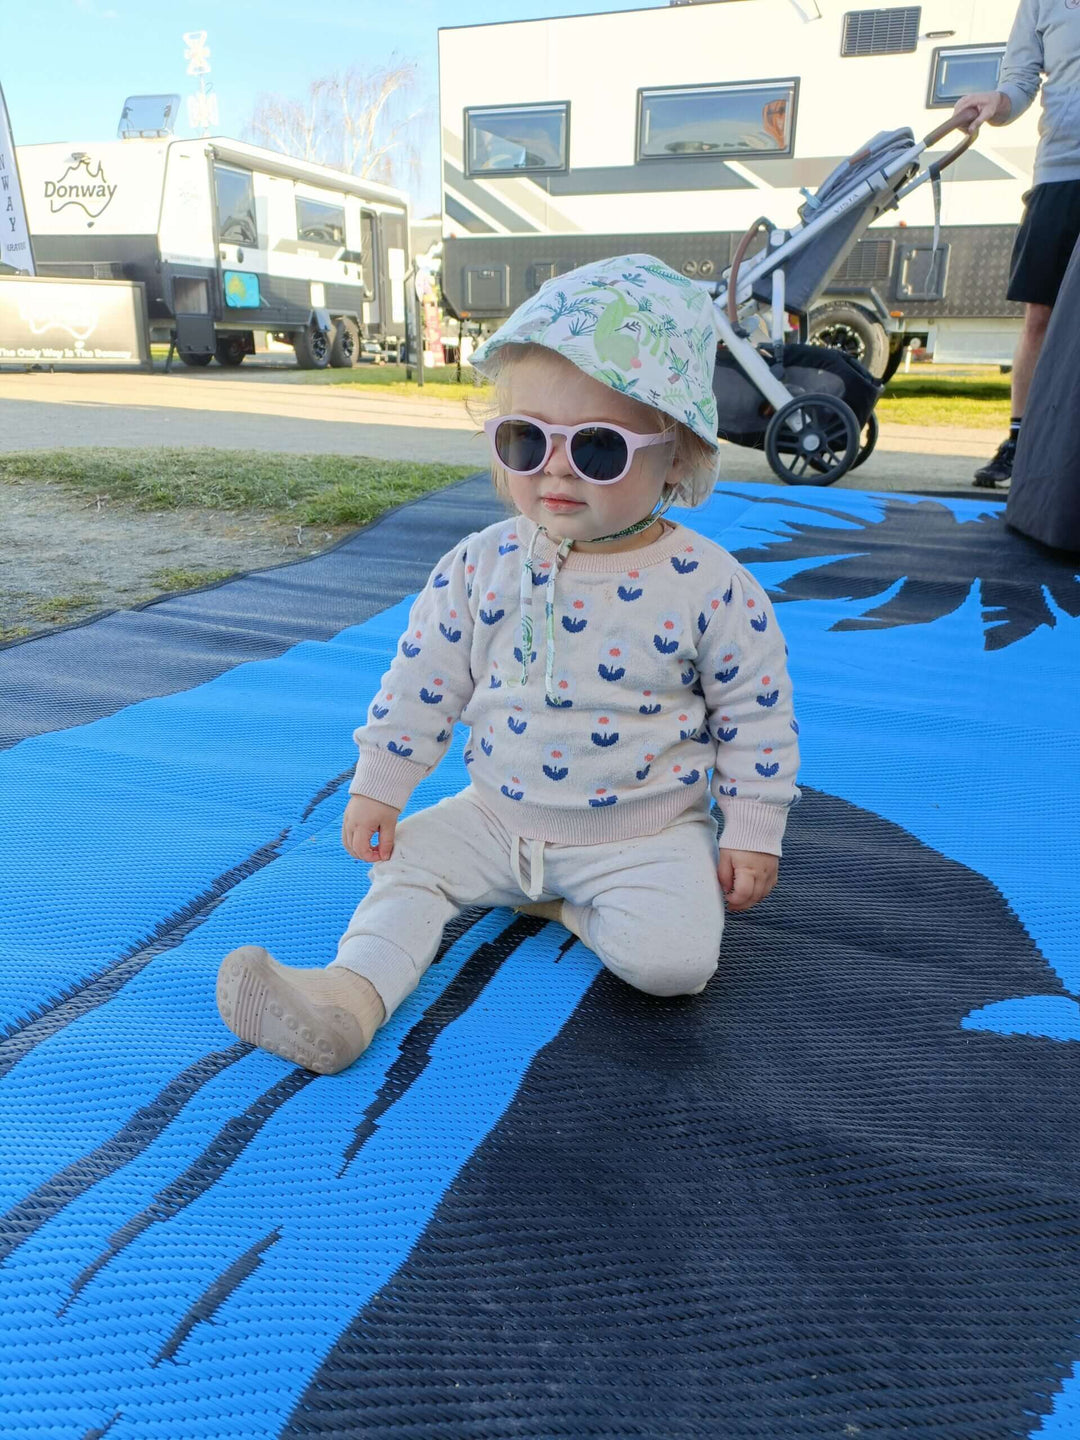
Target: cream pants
{"points": [[651, 909]]}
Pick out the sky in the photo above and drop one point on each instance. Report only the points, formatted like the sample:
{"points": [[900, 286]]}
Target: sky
{"points": [[66, 66]]}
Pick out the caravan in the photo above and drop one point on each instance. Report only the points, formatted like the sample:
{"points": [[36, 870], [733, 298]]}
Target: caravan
{"points": [[671, 130], [228, 239]]}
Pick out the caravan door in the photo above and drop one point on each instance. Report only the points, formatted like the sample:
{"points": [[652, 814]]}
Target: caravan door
{"points": [[241, 244]]}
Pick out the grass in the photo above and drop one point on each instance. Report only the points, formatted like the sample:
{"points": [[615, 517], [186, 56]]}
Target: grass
{"points": [[977, 401], [304, 489], [186, 579], [439, 382], [56, 609]]}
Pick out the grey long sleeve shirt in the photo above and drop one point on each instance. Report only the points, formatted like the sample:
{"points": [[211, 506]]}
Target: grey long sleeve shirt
{"points": [[1045, 39]]}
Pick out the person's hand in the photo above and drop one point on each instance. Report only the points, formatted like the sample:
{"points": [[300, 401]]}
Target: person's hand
{"points": [[363, 817], [746, 876], [988, 105]]}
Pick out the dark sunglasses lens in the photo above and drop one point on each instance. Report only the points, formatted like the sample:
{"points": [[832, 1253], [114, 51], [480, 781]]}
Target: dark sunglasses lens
{"points": [[599, 453], [520, 445]]}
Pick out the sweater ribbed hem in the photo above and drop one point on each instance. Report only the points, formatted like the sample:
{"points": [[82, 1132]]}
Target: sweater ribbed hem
{"points": [[626, 820], [1055, 172], [752, 825], [381, 775]]}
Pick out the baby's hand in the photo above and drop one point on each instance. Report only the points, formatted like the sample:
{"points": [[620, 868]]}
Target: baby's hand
{"points": [[363, 817], [746, 876]]}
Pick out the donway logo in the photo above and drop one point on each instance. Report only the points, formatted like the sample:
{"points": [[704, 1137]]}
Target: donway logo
{"points": [[82, 186]]}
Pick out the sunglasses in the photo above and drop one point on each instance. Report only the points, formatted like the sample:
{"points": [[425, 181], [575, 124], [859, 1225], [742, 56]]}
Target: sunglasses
{"points": [[597, 452]]}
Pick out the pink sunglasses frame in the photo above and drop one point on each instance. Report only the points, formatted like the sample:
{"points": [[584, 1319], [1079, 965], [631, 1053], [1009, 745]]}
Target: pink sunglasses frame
{"points": [[632, 439]]}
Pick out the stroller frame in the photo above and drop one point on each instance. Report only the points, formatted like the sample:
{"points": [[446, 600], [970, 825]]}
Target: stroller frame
{"points": [[812, 438]]}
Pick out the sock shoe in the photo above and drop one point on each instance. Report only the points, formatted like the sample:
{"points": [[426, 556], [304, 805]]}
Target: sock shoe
{"points": [[321, 1019]]}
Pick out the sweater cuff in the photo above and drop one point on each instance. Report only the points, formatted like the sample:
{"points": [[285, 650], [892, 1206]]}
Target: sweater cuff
{"points": [[1019, 101], [752, 825], [383, 776]]}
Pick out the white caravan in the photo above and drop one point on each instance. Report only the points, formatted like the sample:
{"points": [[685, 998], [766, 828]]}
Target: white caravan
{"points": [[228, 239], [671, 130]]}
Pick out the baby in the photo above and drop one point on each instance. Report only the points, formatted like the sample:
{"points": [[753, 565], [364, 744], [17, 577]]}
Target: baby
{"points": [[604, 660]]}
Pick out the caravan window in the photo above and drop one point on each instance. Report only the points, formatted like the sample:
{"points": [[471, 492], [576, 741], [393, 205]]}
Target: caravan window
{"points": [[963, 70], [235, 206], [754, 119], [319, 223], [516, 138]]}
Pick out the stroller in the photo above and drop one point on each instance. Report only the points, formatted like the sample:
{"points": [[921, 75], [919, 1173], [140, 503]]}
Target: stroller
{"points": [[809, 407]]}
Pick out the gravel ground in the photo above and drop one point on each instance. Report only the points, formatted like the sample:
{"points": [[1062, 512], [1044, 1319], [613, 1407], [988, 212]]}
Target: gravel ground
{"points": [[65, 557]]}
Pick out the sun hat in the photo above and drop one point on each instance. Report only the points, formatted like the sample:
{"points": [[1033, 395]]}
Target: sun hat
{"points": [[635, 325]]}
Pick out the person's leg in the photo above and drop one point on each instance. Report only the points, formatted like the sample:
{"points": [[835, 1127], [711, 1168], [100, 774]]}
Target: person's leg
{"points": [[1041, 254], [651, 909], [445, 858], [1028, 350], [998, 471]]}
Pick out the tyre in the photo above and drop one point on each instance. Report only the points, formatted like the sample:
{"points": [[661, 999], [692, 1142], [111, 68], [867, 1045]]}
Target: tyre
{"points": [[812, 440], [892, 364], [231, 349], [345, 351], [853, 331], [195, 361], [312, 348], [869, 440]]}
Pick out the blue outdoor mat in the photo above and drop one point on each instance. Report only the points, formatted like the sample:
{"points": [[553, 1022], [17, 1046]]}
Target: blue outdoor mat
{"points": [[837, 1195]]}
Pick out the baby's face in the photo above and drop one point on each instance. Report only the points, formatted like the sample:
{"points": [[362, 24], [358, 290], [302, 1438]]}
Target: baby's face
{"points": [[548, 387]]}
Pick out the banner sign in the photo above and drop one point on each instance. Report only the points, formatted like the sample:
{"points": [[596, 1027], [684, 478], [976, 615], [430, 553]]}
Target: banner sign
{"points": [[15, 246], [83, 324]]}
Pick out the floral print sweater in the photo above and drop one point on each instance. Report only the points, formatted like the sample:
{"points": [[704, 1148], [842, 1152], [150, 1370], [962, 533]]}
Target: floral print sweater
{"points": [[666, 663]]}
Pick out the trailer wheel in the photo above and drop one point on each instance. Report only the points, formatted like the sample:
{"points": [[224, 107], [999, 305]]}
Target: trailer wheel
{"points": [[853, 331], [312, 348], [346, 347], [194, 359], [231, 349], [812, 440]]}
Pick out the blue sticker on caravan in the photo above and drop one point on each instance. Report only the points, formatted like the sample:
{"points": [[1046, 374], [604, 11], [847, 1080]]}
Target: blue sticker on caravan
{"points": [[241, 290]]}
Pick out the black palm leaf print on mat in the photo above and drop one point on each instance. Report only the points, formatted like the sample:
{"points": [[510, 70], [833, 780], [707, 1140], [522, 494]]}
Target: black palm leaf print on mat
{"points": [[936, 555]]}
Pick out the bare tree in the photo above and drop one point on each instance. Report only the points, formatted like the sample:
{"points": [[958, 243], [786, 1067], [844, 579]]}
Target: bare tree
{"points": [[357, 120]]}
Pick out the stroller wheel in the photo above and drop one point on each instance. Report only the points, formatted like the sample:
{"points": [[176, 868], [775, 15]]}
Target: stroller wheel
{"points": [[870, 434], [812, 440]]}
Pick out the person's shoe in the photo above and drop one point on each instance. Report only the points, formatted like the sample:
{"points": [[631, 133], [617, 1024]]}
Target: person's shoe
{"points": [[997, 473]]}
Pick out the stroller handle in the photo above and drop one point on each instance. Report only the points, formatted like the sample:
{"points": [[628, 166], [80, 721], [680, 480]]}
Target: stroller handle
{"points": [[761, 223], [954, 122]]}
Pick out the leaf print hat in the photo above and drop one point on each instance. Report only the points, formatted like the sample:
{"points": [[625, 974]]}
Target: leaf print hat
{"points": [[637, 326]]}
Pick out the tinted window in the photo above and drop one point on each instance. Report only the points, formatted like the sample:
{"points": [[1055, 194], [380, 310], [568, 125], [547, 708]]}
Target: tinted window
{"points": [[965, 71], [235, 206], [529, 137], [717, 120], [322, 224]]}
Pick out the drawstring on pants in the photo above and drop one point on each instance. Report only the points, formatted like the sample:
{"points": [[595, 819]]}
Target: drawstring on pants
{"points": [[536, 865]]}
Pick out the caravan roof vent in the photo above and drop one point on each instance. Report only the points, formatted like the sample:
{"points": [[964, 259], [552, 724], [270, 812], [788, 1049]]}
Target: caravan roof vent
{"points": [[881, 32], [148, 117]]}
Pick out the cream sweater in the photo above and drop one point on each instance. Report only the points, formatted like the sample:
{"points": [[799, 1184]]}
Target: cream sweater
{"points": [[665, 662]]}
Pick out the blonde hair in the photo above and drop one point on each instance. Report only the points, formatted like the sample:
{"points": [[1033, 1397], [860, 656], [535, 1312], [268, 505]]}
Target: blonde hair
{"points": [[699, 461]]}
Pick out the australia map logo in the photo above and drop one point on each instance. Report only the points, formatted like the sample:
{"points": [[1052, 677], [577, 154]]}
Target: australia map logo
{"points": [[83, 185]]}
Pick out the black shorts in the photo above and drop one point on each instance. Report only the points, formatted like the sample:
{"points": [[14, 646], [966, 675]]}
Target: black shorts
{"points": [[1044, 243]]}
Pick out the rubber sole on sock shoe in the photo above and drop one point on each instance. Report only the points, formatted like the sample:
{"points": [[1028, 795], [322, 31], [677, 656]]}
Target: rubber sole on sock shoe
{"points": [[260, 1004]]}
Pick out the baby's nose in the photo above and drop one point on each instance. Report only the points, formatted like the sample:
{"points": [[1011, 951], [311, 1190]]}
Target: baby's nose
{"points": [[558, 461]]}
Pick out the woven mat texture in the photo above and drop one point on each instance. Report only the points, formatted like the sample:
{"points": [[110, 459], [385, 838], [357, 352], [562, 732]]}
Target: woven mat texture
{"points": [[838, 1195]]}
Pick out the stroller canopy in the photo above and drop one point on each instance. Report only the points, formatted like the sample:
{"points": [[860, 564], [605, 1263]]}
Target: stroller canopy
{"points": [[879, 153]]}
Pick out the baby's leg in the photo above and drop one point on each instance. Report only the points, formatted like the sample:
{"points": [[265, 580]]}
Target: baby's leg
{"points": [[444, 859], [651, 909]]}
